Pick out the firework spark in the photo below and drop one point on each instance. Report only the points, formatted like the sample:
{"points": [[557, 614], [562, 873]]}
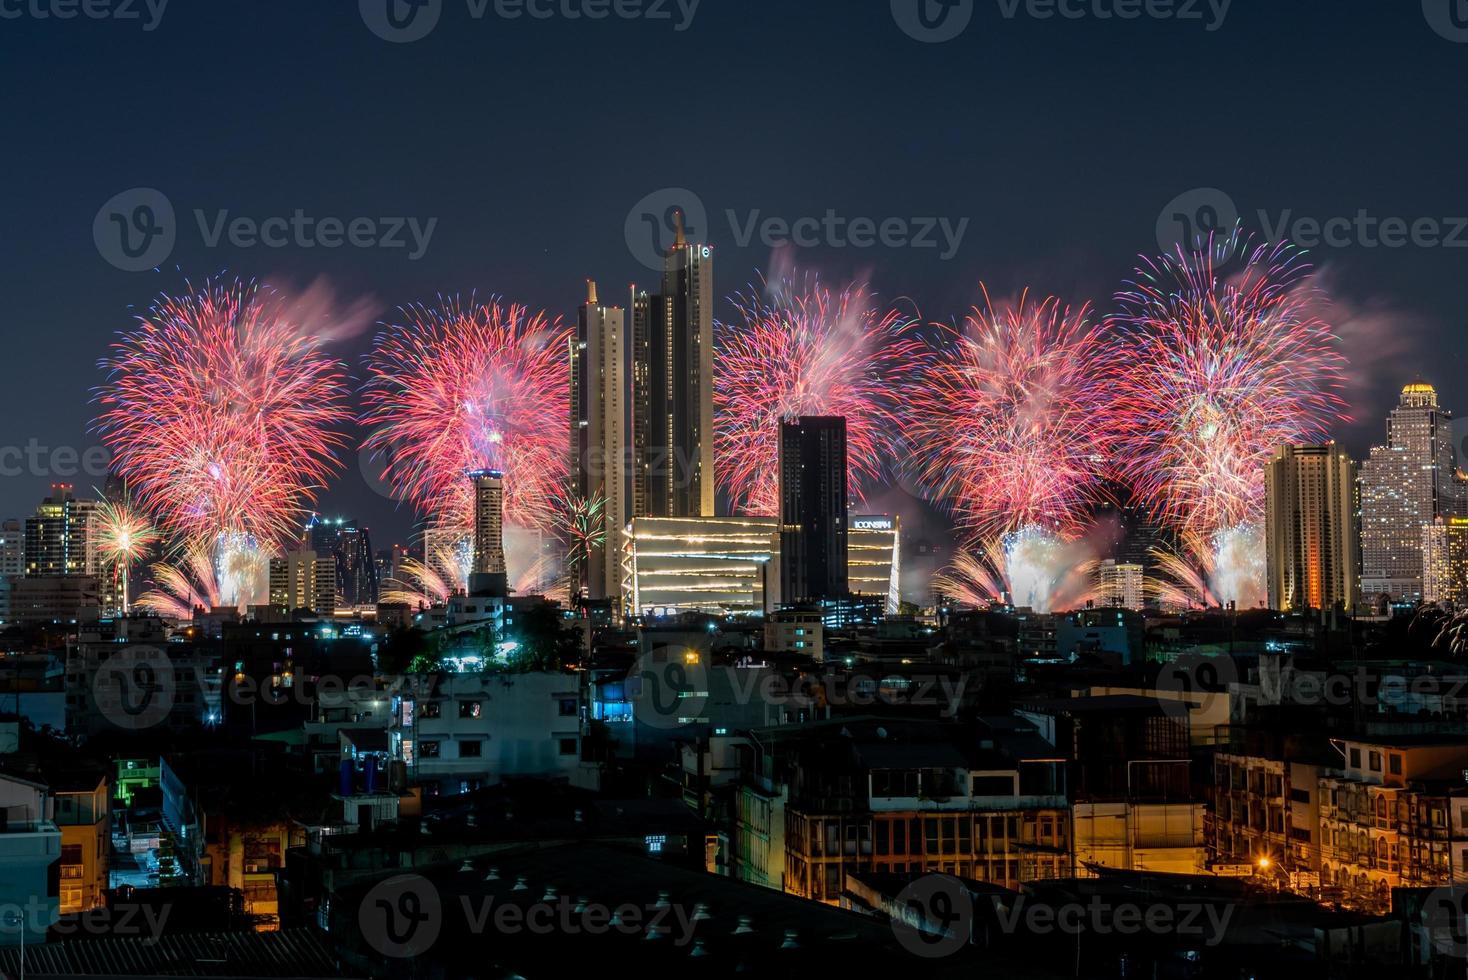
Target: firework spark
{"points": [[221, 414], [801, 349], [1030, 568], [183, 585], [1005, 418], [123, 538], [445, 573], [1216, 359], [1209, 572], [461, 387]]}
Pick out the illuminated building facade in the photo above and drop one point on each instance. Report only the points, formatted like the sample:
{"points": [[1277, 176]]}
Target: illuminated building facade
{"points": [[1405, 485], [1120, 583], [1310, 535], [349, 544], [304, 580], [1445, 561], [725, 565], [58, 537], [672, 387], [598, 439]]}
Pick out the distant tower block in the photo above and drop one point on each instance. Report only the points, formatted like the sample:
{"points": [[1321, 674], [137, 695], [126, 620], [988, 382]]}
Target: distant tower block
{"points": [[487, 576]]}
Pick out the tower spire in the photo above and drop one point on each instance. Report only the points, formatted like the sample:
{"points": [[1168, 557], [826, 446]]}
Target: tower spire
{"points": [[591, 292], [682, 238]]}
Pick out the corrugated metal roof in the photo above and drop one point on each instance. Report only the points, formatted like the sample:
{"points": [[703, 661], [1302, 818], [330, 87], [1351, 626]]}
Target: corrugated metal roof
{"points": [[288, 953]]}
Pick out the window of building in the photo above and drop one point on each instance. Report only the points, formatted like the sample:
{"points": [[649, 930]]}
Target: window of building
{"points": [[429, 750], [567, 707], [1373, 759], [471, 749], [1355, 758], [1394, 762], [471, 709], [431, 709], [568, 746]]}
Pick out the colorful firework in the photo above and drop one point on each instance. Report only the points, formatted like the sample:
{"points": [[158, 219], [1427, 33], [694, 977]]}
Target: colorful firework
{"points": [[123, 538], [183, 585], [801, 349], [1030, 567], [221, 414], [1217, 357], [1005, 418], [445, 573], [581, 527], [1209, 572], [458, 388]]}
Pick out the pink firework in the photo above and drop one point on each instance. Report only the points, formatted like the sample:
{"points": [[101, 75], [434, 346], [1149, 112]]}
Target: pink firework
{"points": [[221, 414], [1005, 418], [459, 388], [1216, 358], [802, 349]]}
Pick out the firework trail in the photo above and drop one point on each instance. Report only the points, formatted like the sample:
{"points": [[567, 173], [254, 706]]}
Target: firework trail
{"points": [[1005, 419], [123, 538], [183, 585], [1210, 572], [463, 387], [1031, 568], [222, 414], [580, 526], [444, 573], [802, 349], [1216, 358]]}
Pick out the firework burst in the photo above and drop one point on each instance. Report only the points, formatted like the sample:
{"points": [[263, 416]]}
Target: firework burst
{"points": [[1030, 567], [1005, 419], [1216, 358], [221, 414], [123, 538], [802, 349], [460, 387], [432, 582], [183, 585], [1208, 572]]}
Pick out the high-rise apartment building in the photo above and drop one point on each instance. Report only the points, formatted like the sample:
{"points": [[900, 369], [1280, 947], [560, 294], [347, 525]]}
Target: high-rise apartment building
{"points": [[59, 536], [672, 387], [599, 440], [813, 502], [304, 580], [1310, 534], [1120, 583], [1406, 485], [1445, 561]]}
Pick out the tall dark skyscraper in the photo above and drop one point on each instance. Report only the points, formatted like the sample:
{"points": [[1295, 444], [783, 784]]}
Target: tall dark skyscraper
{"points": [[357, 579], [672, 387], [813, 524], [598, 439]]}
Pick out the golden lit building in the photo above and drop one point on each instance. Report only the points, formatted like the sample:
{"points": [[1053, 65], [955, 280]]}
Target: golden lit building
{"points": [[1445, 561], [83, 812], [1310, 528]]}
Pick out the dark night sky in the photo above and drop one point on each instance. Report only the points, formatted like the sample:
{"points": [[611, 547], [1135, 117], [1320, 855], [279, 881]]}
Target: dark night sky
{"points": [[530, 142]]}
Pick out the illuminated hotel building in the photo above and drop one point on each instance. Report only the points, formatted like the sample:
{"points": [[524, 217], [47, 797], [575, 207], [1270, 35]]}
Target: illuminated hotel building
{"points": [[59, 537], [1120, 583], [727, 564], [598, 438], [1445, 561], [1310, 528], [304, 580], [1406, 485], [672, 387]]}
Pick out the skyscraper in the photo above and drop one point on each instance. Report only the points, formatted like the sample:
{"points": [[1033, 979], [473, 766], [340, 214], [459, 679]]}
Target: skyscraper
{"points": [[1120, 584], [488, 571], [59, 536], [12, 549], [1310, 531], [350, 545], [813, 525], [1445, 561], [599, 438], [672, 387], [1406, 485]]}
